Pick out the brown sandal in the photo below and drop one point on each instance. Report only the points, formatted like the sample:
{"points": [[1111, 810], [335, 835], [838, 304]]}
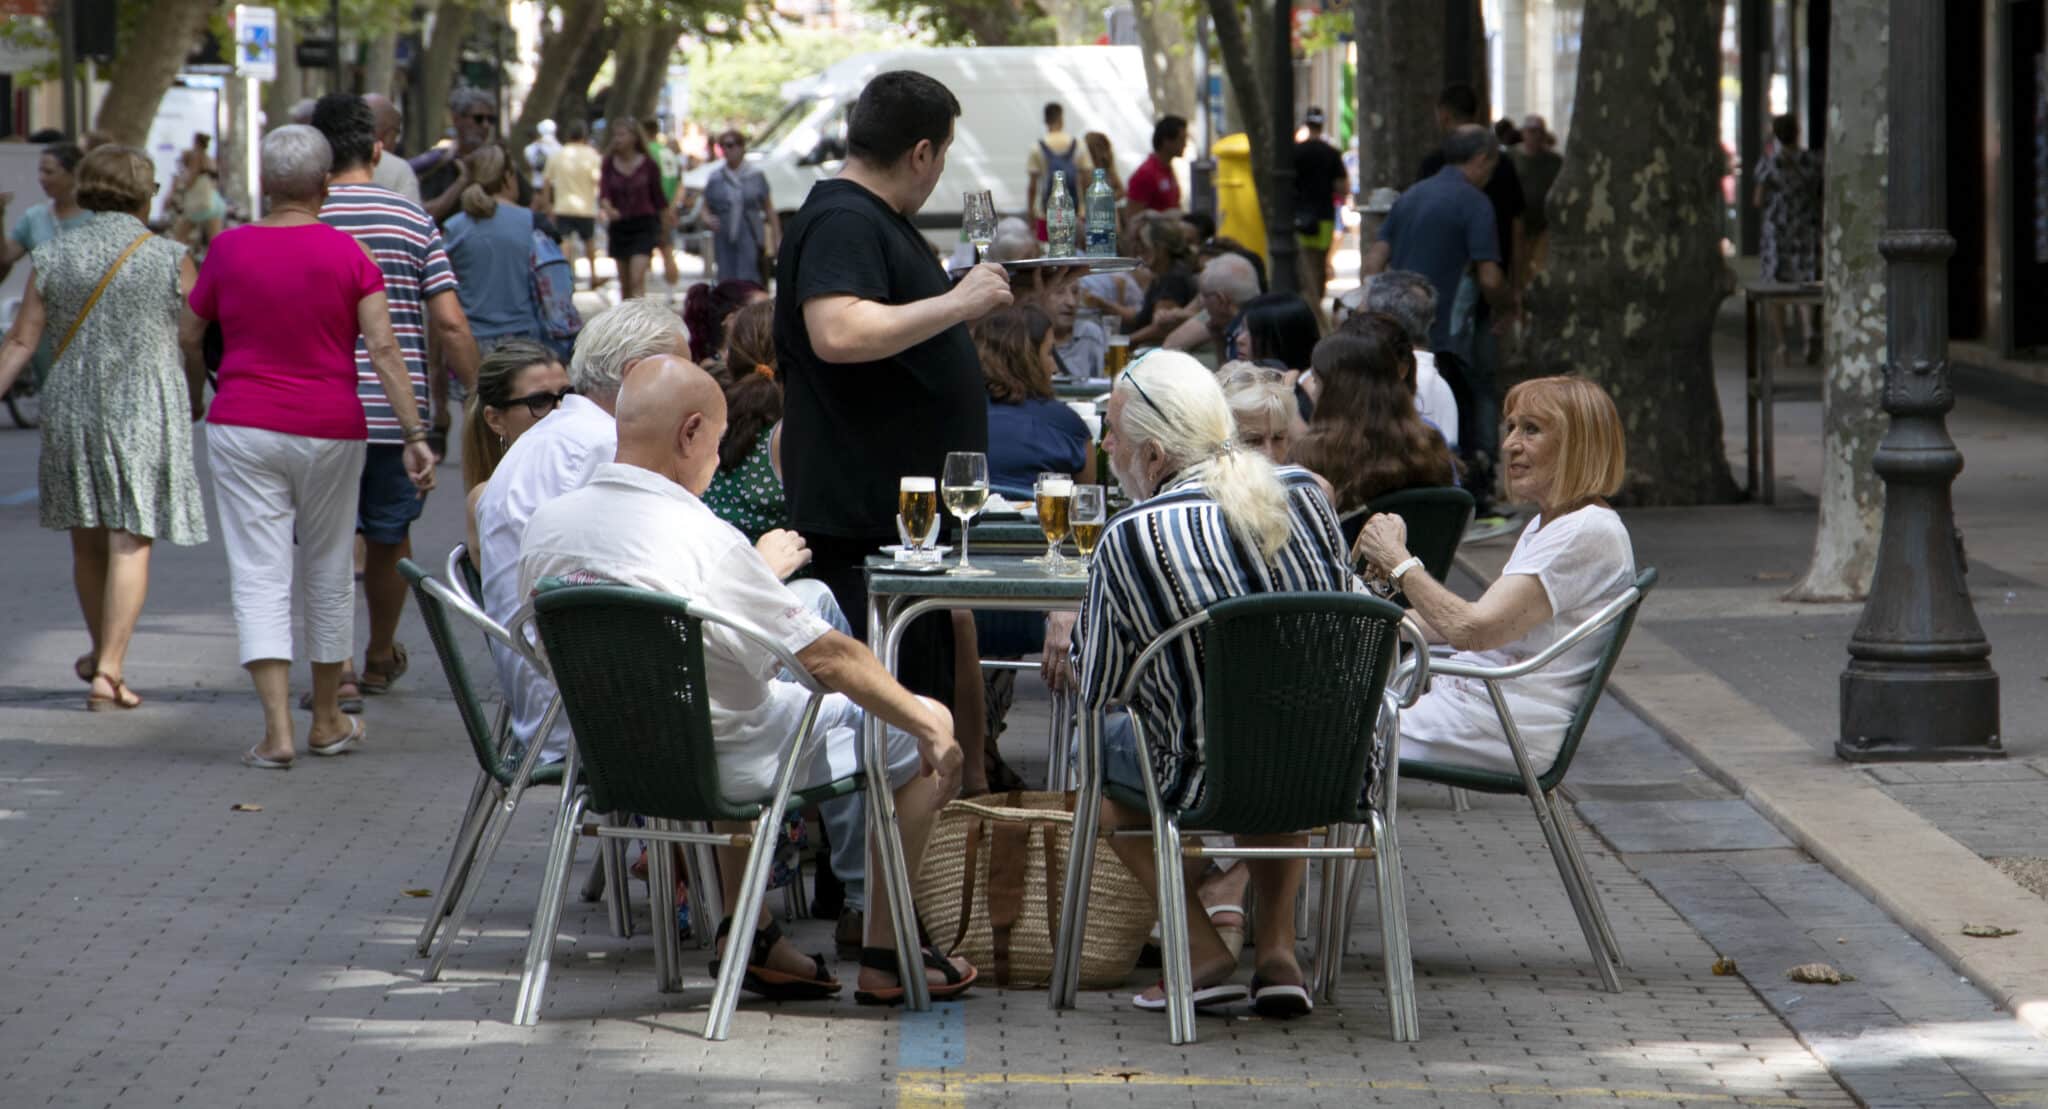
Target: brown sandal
{"points": [[374, 678], [120, 700]]}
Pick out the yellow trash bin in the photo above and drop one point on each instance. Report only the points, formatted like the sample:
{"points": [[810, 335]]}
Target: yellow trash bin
{"points": [[1237, 198]]}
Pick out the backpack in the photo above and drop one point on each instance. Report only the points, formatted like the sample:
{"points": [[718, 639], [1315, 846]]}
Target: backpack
{"points": [[1058, 163], [554, 296]]}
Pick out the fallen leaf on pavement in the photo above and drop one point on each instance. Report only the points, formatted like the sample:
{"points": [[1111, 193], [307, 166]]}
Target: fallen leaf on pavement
{"points": [[1724, 966], [1988, 931], [1771, 575], [243, 807], [1819, 974], [419, 893]]}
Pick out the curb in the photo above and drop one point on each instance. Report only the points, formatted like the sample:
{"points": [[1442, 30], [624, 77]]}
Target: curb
{"points": [[1928, 882]]}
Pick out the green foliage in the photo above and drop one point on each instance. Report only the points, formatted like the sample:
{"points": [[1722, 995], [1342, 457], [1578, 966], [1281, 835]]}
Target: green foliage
{"points": [[740, 84], [975, 22], [31, 33]]}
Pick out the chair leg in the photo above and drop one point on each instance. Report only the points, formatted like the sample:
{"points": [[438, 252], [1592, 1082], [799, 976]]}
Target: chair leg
{"points": [[467, 835], [547, 915], [1066, 967], [746, 915], [1571, 844], [707, 900], [1334, 924], [1461, 801], [661, 910], [1173, 932], [497, 822], [618, 888], [1403, 1023], [1555, 835], [886, 839]]}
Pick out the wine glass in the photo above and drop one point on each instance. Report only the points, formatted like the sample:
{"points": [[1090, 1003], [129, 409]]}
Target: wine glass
{"points": [[964, 487], [1088, 514], [978, 219], [1054, 493]]}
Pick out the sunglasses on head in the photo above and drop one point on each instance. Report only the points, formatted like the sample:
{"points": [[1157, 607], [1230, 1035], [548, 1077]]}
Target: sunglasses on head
{"points": [[538, 404]]}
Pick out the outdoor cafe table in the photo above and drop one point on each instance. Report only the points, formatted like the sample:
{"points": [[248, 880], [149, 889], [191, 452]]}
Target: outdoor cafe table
{"points": [[895, 600]]}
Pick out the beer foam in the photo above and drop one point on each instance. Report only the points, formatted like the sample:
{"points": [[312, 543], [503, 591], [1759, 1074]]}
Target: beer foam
{"points": [[918, 485], [1056, 487]]}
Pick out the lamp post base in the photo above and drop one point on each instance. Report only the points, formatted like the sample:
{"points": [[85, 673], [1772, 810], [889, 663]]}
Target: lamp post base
{"points": [[1896, 714]]}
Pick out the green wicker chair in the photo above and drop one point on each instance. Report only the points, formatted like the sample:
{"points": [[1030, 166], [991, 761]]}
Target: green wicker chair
{"points": [[1436, 517], [503, 774], [630, 667], [1290, 682], [1541, 789]]}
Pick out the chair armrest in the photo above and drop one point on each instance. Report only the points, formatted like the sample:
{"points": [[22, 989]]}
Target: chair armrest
{"points": [[1164, 640], [752, 632], [1416, 666], [1573, 638]]}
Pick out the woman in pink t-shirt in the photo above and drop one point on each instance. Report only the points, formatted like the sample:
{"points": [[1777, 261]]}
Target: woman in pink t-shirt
{"points": [[286, 431]]}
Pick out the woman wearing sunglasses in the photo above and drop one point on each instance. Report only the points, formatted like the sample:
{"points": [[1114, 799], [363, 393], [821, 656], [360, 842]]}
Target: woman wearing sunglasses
{"points": [[518, 383]]}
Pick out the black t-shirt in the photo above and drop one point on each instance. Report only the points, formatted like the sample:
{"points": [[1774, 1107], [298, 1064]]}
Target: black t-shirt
{"points": [[1317, 169], [851, 430], [1504, 189]]}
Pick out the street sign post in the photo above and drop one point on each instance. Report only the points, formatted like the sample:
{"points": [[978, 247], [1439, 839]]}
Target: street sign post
{"points": [[255, 42]]}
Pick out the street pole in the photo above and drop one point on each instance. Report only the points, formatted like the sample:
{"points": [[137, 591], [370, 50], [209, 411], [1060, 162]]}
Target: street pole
{"points": [[1281, 249], [1919, 684]]}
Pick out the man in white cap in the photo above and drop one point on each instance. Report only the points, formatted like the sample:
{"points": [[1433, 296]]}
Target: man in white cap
{"points": [[540, 150]]}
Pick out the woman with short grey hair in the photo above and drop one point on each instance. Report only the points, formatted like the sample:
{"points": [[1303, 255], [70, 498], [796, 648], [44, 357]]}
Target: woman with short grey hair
{"points": [[286, 432]]}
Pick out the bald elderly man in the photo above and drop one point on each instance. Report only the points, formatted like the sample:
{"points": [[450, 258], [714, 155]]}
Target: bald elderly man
{"points": [[391, 171], [639, 521]]}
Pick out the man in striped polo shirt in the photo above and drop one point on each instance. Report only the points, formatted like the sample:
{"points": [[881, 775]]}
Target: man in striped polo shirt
{"points": [[1211, 521], [420, 286]]}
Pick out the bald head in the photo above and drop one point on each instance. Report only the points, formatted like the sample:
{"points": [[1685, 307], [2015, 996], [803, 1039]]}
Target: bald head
{"points": [[390, 121], [671, 416]]}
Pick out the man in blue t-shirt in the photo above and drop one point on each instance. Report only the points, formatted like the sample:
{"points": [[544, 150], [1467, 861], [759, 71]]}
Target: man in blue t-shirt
{"points": [[1445, 224]]}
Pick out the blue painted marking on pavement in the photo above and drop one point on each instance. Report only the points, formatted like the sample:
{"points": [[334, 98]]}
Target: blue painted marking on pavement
{"points": [[26, 496], [932, 1040]]}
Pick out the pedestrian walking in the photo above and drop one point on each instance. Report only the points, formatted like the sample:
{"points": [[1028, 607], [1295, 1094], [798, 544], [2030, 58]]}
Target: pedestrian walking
{"points": [[490, 247], [740, 213], [570, 195], [670, 170], [287, 432], [1788, 189], [1319, 179], [116, 469], [55, 171], [629, 196], [441, 180]]}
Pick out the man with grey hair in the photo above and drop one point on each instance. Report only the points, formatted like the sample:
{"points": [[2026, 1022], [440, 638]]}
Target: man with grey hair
{"points": [[1408, 298], [1226, 284], [391, 171], [474, 114], [1538, 164]]}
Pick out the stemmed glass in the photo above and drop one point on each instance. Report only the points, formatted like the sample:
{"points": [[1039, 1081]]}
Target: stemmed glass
{"points": [[1089, 514], [978, 218], [964, 486], [1054, 494]]}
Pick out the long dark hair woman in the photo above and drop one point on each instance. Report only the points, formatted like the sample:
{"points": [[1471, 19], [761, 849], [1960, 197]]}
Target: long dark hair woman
{"points": [[1277, 327], [747, 490], [706, 310], [1365, 438]]}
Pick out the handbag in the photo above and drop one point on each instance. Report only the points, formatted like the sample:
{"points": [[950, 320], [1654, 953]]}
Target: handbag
{"points": [[105, 280], [990, 884]]}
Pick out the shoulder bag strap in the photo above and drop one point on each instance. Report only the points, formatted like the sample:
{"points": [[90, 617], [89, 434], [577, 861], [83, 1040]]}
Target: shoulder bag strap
{"points": [[105, 280]]}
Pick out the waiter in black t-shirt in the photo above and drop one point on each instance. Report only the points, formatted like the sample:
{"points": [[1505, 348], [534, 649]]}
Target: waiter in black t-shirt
{"points": [[879, 376]]}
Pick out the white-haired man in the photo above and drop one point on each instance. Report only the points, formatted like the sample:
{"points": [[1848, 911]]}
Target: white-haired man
{"points": [[1226, 283], [1173, 448]]}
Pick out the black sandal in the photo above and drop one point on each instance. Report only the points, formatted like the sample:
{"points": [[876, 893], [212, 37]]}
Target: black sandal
{"points": [[776, 985], [884, 959]]}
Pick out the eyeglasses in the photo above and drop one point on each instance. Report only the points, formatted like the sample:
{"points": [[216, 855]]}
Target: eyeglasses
{"points": [[490, 118], [538, 404], [1253, 374]]}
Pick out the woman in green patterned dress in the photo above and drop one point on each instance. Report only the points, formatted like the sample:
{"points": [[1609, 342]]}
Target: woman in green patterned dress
{"points": [[747, 490]]}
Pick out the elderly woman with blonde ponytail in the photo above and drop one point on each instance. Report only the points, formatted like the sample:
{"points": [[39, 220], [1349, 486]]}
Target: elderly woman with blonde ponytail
{"points": [[490, 244], [1212, 520]]}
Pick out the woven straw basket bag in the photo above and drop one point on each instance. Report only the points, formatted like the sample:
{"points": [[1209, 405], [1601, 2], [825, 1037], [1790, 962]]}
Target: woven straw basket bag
{"points": [[990, 885]]}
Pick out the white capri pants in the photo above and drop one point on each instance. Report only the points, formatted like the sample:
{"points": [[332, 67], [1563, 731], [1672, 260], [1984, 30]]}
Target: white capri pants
{"points": [[274, 489]]}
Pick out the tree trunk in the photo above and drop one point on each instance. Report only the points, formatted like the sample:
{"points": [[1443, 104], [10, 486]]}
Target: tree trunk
{"points": [[642, 97], [151, 56], [380, 70], [1482, 70], [1635, 275], [1853, 312], [628, 57], [1400, 71], [1169, 61], [1247, 53], [580, 20], [437, 69], [574, 101]]}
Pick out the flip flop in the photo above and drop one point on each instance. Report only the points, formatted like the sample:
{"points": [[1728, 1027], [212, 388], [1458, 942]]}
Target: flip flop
{"points": [[777, 985], [884, 958], [1279, 1000], [254, 761], [348, 702], [356, 734], [1222, 993], [378, 679], [1232, 935]]}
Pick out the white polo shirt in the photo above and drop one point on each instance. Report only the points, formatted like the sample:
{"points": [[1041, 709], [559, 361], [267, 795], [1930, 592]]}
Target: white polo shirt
{"points": [[635, 527], [555, 456]]}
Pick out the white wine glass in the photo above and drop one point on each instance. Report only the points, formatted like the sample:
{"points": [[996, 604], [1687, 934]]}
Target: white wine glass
{"points": [[1087, 516], [964, 487], [978, 219]]}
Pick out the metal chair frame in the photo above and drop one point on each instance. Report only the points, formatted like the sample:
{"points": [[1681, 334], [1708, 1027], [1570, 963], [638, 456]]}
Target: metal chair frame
{"points": [[760, 842], [1550, 814], [1344, 846]]}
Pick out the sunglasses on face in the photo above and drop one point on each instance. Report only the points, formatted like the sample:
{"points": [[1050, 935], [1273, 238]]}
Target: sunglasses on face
{"points": [[487, 118], [537, 404]]}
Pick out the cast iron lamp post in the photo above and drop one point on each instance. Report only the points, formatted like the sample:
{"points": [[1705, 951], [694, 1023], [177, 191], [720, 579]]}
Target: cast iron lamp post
{"points": [[1919, 684]]}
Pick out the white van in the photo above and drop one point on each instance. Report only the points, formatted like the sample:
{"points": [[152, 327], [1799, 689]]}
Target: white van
{"points": [[1002, 90]]}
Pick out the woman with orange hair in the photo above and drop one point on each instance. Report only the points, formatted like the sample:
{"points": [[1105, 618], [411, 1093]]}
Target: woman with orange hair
{"points": [[1562, 448]]}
